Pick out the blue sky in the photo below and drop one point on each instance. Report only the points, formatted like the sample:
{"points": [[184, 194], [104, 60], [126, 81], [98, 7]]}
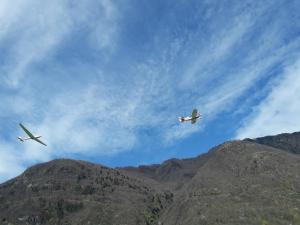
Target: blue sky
{"points": [[105, 81]]}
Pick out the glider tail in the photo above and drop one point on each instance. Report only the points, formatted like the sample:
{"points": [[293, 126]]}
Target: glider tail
{"points": [[21, 139]]}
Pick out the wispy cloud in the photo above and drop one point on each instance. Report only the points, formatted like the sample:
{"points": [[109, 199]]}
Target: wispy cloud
{"points": [[279, 112], [10, 162], [94, 77], [33, 31], [223, 73]]}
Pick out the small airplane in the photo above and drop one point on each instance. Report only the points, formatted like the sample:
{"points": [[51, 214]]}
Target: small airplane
{"points": [[193, 118], [30, 136]]}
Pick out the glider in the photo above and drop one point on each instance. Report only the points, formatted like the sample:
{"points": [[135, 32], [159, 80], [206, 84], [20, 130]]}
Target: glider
{"points": [[30, 136], [193, 118]]}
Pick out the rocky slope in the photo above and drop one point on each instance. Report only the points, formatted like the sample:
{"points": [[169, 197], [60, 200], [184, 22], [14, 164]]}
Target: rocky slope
{"points": [[239, 182], [77, 192], [287, 142]]}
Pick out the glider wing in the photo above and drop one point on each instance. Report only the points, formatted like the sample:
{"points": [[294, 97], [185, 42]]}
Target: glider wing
{"points": [[39, 141], [27, 131]]}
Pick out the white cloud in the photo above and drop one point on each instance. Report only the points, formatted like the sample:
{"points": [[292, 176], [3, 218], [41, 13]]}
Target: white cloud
{"points": [[280, 111], [30, 32], [37, 28], [215, 92], [104, 32], [84, 111], [80, 122], [10, 161], [219, 45]]}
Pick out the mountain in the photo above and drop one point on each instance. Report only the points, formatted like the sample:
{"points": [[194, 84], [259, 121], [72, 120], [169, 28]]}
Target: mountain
{"points": [[287, 142], [241, 183], [76, 192], [173, 173], [253, 181]]}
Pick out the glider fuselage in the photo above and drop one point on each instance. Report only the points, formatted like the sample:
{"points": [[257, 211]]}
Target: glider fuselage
{"points": [[29, 138]]}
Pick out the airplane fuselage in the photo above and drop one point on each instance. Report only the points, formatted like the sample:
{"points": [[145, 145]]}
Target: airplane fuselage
{"points": [[189, 118]]}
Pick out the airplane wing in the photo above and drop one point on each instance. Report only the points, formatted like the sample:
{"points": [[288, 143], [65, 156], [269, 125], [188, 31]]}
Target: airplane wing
{"points": [[193, 120], [27, 131], [39, 141], [194, 113]]}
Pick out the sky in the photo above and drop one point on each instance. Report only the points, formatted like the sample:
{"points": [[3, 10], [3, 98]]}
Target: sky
{"points": [[105, 81]]}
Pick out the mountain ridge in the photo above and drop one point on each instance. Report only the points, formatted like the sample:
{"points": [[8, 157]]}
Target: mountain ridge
{"points": [[285, 141], [250, 181]]}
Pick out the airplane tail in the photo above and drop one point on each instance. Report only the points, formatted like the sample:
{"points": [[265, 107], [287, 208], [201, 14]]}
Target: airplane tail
{"points": [[21, 139]]}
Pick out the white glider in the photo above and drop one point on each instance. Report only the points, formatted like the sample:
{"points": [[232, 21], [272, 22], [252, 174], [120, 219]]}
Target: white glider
{"points": [[193, 118], [30, 136]]}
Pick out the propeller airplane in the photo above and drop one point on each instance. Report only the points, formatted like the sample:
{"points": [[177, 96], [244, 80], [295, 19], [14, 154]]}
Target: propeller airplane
{"points": [[193, 118]]}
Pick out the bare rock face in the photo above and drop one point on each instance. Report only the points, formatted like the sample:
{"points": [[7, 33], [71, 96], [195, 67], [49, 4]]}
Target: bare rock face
{"points": [[239, 182]]}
